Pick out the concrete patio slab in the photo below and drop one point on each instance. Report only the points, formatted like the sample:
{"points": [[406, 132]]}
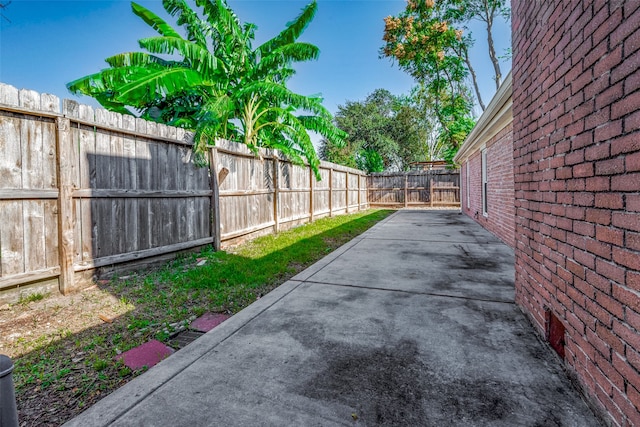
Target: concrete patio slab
{"points": [[459, 229], [426, 267], [331, 349]]}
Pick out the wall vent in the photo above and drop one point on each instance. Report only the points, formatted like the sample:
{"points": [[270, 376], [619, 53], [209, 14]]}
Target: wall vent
{"points": [[555, 333]]}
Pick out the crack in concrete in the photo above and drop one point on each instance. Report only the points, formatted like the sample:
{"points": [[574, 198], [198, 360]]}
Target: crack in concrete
{"points": [[435, 294]]}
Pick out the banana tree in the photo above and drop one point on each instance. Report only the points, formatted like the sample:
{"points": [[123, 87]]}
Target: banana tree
{"points": [[212, 80]]}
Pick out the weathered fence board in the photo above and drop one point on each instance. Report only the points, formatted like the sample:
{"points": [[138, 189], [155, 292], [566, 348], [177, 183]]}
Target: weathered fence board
{"points": [[123, 177], [321, 192], [416, 188], [84, 189], [66, 227], [28, 184]]}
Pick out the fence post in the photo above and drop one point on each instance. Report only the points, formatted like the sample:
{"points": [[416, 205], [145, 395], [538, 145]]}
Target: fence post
{"points": [[8, 411], [431, 192], [276, 196], [65, 204], [406, 190], [215, 198], [331, 192]]}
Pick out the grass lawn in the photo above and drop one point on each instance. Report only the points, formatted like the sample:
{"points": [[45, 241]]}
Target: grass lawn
{"points": [[64, 347]]}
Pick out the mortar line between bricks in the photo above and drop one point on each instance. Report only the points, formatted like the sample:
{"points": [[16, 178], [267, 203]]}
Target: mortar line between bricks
{"points": [[434, 294], [188, 365]]}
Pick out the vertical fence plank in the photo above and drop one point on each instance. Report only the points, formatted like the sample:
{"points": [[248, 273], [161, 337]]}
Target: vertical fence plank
{"points": [[276, 192], [49, 222], [159, 157], [346, 197], [101, 208], [182, 163], [359, 192], [11, 243], [70, 110], [129, 164], [65, 205], [431, 192], [164, 160], [88, 179], [330, 192], [311, 185], [406, 190], [117, 180], [215, 198], [176, 184], [143, 179], [32, 151], [49, 103]]}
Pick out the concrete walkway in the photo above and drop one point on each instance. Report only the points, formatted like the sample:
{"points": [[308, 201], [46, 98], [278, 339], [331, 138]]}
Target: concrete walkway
{"points": [[412, 323]]}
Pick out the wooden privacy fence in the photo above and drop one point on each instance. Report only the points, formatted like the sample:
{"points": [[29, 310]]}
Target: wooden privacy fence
{"points": [[84, 191], [267, 193], [415, 188]]}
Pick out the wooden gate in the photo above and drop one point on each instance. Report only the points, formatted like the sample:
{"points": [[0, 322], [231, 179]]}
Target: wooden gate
{"points": [[415, 188]]}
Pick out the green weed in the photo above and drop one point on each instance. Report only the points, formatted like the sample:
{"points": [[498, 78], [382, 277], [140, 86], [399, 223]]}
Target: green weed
{"points": [[32, 297], [100, 364]]}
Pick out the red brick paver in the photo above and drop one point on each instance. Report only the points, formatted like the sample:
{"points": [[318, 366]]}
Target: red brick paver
{"points": [[148, 354]]}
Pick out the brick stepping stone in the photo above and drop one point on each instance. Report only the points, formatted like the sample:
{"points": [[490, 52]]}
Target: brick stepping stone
{"points": [[148, 354], [208, 321]]}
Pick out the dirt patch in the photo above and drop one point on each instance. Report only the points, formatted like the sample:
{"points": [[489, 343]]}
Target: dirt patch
{"points": [[31, 325], [82, 378]]}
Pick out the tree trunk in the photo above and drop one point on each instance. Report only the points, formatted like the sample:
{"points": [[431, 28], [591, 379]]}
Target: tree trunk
{"points": [[465, 52], [492, 51]]}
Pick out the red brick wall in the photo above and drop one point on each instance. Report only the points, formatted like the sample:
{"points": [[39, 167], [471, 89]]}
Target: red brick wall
{"points": [[576, 107], [501, 211], [472, 186]]}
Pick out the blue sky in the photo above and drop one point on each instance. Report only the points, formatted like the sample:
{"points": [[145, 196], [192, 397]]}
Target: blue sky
{"points": [[50, 43]]}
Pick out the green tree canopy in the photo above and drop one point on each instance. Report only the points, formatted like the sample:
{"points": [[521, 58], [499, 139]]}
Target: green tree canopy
{"points": [[415, 119], [425, 43], [210, 79], [385, 132], [368, 125]]}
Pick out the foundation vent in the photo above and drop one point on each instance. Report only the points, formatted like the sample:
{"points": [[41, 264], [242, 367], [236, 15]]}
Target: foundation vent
{"points": [[555, 333]]}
